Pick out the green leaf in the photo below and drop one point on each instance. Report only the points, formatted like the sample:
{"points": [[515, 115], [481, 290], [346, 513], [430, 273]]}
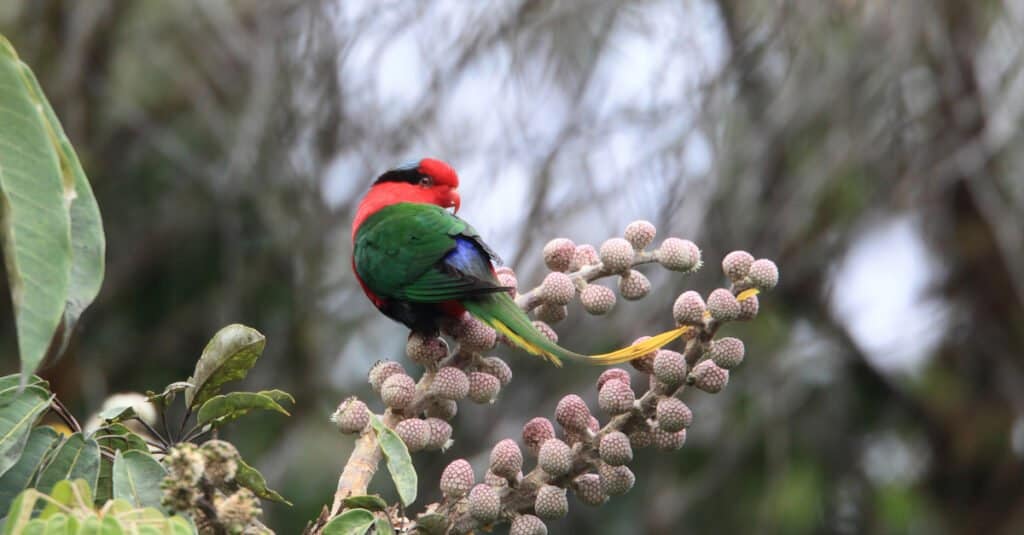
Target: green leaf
{"points": [[383, 526], [19, 412], [21, 511], [227, 357], [137, 477], [372, 502], [61, 524], [35, 527], [224, 408], [432, 524], [117, 414], [251, 479], [351, 522], [114, 437], [19, 477], [165, 398], [11, 385], [77, 457], [399, 463], [110, 526], [36, 226]]}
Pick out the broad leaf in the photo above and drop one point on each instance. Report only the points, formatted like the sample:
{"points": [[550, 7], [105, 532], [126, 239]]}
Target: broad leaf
{"points": [[351, 522], [36, 226], [20, 476], [432, 524], [383, 526], [137, 478], [77, 457], [19, 412], [399, 463], [165, 398], [227, 357], [117, 414], [223, 408], [252, 479], [21, 510], [372, 502], [11, 385]]}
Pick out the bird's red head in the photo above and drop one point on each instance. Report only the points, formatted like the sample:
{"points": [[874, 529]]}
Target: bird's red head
{"points": [[428, 181]]}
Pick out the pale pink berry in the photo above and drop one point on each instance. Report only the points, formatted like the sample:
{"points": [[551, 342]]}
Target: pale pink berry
{"points": [[474, 335], [572, 413], [640, 438], [425, 351], [498, 368], [634, 285], [557, 289], [615, 449], [612, 373], [450, 383], [397, 391], [484, 503], [727, 353], [669, 367], [645, 362], [689, 308], [585, 255], [749, 308], [496, 481], [550, 314], [352, 416], [678, 255], [709, 377], [558, 254], [587, 488], [764, 274], [457, 478], [551, 502], [616, 480], [440, 434], [617, 255], [506, 459], [665, 441], [736, 265], [507, 278], [640, 234], [673, 415], [483, 387], [597, 299], [381, 371], [536, 432], [555, 457], [527, 525], [722, 305], [616, 397], [414, 432], [546, 330]]}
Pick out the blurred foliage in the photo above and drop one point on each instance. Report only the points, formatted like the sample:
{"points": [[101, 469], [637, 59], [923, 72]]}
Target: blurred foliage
{"points": [[227, 143]]}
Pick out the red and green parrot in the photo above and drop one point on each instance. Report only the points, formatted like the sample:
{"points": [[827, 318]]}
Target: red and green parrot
{"points": [[419, 264]]}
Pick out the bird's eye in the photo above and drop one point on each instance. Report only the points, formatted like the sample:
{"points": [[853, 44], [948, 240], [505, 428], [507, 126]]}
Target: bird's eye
{"points": [[426, 182]]}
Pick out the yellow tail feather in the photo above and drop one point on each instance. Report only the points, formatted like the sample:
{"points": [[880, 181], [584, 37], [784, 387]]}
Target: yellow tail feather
{"points": [[521, 342], [638, 349]]}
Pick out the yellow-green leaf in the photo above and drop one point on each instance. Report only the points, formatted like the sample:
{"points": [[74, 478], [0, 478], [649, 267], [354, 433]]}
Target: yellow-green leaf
{"points": [[221, 409], [77, 457], [351, 522], [19, 412], [399, 463], [40, 442], [227, 357], [252, 479], [137, 477]]}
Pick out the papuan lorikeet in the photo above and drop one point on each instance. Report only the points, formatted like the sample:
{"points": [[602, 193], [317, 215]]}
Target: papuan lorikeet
{"points": [[420, 264]]}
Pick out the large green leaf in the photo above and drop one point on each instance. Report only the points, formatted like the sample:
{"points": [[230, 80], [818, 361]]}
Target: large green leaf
{"points": [[19, 476], [18, 413], [383, 526], [223, 408], [399, 463], [227, 357], [137, 476], [114, 437], [252, 479], [77, 457], [351, 522]]}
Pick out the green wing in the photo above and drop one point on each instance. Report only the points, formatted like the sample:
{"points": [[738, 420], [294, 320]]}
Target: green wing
{"points": [[402, 252]]}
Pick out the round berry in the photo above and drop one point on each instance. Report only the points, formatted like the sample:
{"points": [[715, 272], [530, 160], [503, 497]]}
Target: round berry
{"points": [[572, 413], [640, 438], [612, 373], [615, 397], [585, 255], [673, 415], [475, 335], [749, 307], [727, 353], [551, 502], [508, 280], [457, 478], [764, 274], [555, 457], [678, 255], [736, 265], [527, 525], [414, 432], [597, 299], [506, 459], [496, 481], [549, 313], [670, 367], [536, 432], [397, 391], [484, 503], [351, 416], [450, 383], [645, 362], [709, 377], [440, 434], [558, 254], [634, 285], [382, 370], [616, 480], [640, 234], [617, 255], [614, 449], [557, 289], [587, 488], [689, 308], [424, 350], [498, 368], [665, 441], [483, 387], [546, 330], [722, 305]]}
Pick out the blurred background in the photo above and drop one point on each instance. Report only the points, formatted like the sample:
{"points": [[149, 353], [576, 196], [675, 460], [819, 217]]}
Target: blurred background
{"points": [[871, 148]]}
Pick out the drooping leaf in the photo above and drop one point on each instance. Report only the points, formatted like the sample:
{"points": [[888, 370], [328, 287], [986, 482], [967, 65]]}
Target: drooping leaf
{"points": [[399, 463], [117, 414], [383, 526], [351, 522], [224, 408], [19, 412], [36, 226], [165, 398], [372, 502], [227, 357], [251, 479], [20, 476], [137, 476], [77, 457]]}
